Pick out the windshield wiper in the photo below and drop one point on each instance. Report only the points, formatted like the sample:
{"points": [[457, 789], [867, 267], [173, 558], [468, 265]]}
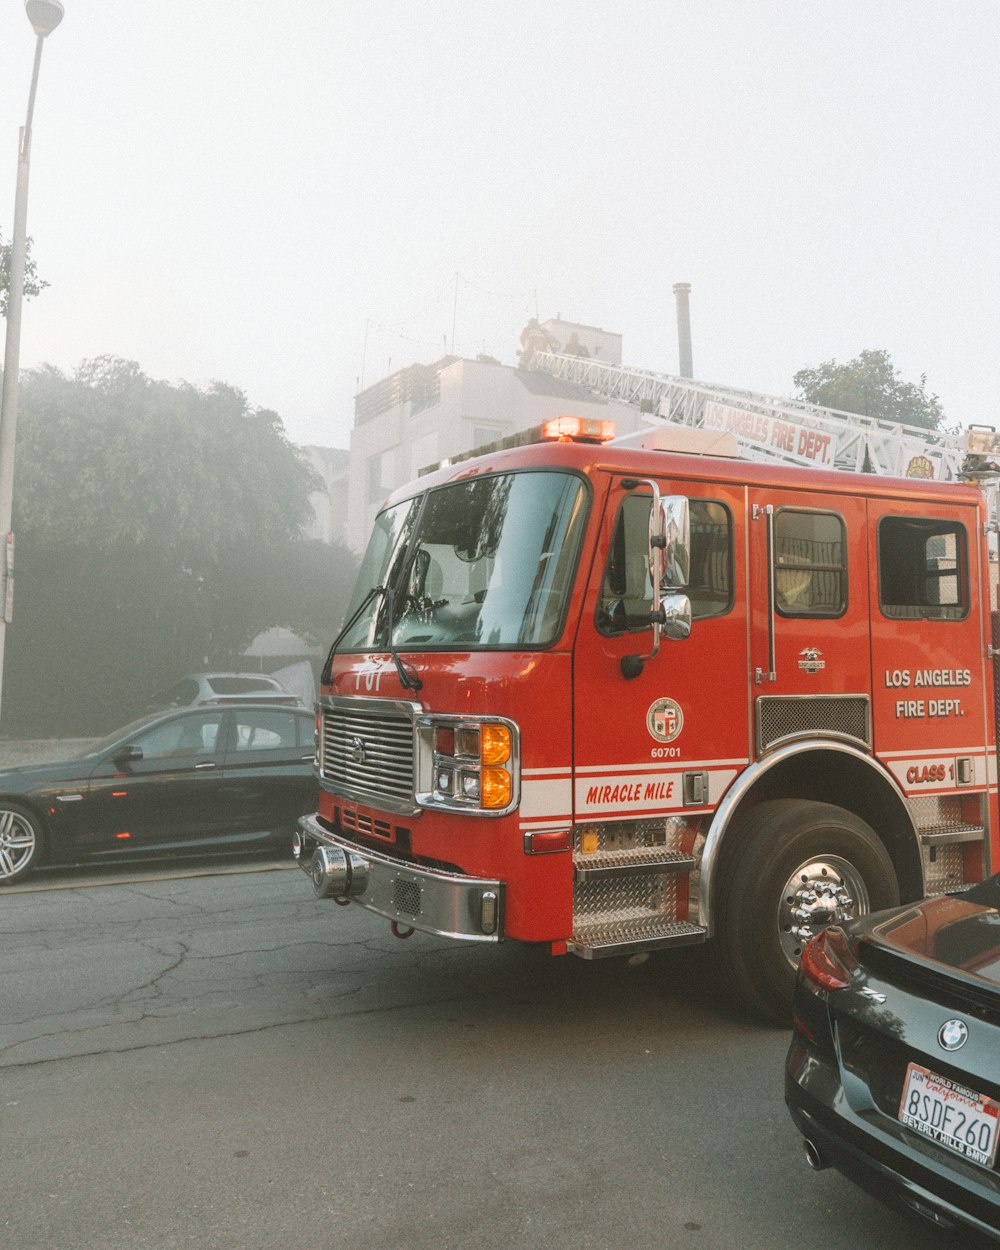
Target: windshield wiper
{"points": [[326, 675], [408, 680]]}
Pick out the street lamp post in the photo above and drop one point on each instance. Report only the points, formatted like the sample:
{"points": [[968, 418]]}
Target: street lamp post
{"points": [[44, 16]]}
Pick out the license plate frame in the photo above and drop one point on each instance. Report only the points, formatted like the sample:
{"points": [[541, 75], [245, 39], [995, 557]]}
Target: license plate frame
{"points": [[941, 1109]]}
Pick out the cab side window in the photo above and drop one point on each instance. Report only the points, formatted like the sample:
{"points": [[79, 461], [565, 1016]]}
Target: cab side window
{"points": [[627, 592], [922, 569], [810, 563]]}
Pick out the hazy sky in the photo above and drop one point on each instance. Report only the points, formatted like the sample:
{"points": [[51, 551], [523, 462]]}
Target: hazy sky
{"points": [[280, 195]]}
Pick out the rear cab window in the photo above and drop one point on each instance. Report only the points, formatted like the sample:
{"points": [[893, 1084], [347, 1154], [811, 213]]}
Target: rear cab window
{"points": [[922, 569]]}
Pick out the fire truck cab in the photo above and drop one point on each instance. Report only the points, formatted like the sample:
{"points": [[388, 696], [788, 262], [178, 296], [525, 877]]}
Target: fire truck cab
{"points": [[616, 696]]}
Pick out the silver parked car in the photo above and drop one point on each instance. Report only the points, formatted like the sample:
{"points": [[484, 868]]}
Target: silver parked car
{"points": [[212, 689]]}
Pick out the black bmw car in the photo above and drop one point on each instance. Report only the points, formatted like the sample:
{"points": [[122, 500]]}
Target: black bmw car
{"points": [[168, 783], [893, 1074]]}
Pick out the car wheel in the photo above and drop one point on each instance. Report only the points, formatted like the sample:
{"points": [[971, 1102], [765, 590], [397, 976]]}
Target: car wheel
{"points": [[21, 842], [794, 869]]}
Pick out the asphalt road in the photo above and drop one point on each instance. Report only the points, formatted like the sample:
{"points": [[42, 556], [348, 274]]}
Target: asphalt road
{"points": [[223, 1061]]}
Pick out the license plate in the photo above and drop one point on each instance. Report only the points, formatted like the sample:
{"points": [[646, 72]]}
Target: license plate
{"points": [[959, 1118]]}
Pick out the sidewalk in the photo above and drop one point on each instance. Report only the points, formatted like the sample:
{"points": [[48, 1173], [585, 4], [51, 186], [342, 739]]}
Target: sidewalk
{"points": [[16, 752]]}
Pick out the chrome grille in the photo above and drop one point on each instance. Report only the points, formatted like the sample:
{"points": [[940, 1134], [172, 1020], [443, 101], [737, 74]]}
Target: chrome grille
{"points": [[366, 751]]}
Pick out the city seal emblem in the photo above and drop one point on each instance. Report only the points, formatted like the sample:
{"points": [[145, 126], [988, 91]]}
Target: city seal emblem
{"points": [[664, 720]]}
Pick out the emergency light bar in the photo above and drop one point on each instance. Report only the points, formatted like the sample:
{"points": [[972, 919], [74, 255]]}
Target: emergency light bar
{"points": [[557, 429], [578, 430]]}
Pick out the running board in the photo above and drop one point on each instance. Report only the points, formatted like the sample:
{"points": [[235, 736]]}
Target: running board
{"points": [[600, 941], [624, 863]]}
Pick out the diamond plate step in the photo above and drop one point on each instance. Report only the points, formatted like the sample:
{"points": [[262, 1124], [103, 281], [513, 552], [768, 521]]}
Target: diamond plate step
{"points": [[619, 863], [646, 934], [941, 835]]}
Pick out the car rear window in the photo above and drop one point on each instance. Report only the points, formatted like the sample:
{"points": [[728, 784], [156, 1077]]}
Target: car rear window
{"points": [[240, 685]]}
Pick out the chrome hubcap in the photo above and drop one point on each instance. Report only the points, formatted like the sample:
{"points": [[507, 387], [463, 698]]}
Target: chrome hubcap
{"points": [[17, 844], [822, 891]]}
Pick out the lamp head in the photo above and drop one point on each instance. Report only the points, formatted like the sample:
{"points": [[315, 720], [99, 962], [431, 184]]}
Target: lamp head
{"points": [[44, 15]]}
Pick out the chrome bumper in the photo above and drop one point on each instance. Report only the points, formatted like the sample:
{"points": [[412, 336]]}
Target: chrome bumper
{"points": [[467, 908]]}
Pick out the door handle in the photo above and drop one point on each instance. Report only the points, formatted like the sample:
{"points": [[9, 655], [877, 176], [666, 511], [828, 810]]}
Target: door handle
{"points": [[205, 764]]}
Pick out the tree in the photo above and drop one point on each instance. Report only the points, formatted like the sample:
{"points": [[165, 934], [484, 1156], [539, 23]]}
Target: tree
{"points": [[871, 386], [113, 460], [33, 284], [158, 532]]}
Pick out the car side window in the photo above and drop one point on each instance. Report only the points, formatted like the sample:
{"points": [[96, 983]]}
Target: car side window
{"points": [[185, 736], [264, 730]]}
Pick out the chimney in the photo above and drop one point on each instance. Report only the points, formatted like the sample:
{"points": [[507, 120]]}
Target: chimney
{"points": [[681, 292]]}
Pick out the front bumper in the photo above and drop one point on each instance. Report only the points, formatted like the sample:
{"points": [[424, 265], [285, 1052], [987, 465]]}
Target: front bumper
{"points": [[467, 908]]}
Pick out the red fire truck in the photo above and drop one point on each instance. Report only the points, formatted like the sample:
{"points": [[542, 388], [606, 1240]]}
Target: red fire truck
{"points": [[615, 697]]}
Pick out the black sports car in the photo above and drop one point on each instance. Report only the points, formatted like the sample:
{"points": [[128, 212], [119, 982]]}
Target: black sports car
{"points": [[167, 783], [893, 1074]]}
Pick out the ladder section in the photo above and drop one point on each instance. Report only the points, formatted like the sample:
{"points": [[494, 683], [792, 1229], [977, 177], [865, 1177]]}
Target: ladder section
{"points": [[767, 428]]}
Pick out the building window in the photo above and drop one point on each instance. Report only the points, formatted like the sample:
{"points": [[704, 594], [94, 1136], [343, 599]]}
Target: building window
{"points": [[377, 486], [482, 435], [423, 453]]}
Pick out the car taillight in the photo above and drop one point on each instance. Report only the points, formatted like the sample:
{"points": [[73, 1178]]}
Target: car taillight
{"points": [[828, 961]]}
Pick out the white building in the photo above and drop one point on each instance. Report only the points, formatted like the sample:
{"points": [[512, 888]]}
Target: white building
{"points": [[581, 340], [329, 504], [426, 413]]}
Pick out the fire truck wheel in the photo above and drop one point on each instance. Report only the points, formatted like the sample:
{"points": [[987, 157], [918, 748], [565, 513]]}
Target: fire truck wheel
{"points": [[795, 868], [21, 842]]}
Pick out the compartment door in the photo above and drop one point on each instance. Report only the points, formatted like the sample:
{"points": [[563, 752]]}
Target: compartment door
{"points": [[931, 681]]}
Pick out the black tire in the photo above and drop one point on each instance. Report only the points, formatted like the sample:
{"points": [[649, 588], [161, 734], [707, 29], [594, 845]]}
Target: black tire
{"points": [[21, 841], [794, 868]]}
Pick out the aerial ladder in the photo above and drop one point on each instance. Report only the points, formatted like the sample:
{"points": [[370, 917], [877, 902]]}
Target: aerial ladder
{"points": [[769, 428]]}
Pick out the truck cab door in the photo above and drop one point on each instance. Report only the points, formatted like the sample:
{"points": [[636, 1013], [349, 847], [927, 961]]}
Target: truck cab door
{"points": [[655, 751], [809, 654]]}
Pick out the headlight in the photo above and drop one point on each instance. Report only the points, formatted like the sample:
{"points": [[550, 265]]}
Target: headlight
{"points": [[468, 764]]}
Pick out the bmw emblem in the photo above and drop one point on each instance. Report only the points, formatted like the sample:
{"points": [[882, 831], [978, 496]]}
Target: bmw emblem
{"points": [[953, 1034]]}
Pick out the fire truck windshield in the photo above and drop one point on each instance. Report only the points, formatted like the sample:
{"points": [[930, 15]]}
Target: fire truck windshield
{"points": [[486, 562]]}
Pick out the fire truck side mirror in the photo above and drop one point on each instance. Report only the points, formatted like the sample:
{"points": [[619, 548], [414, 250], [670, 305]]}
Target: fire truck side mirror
{"points": [[670, 531], [669, 569]]}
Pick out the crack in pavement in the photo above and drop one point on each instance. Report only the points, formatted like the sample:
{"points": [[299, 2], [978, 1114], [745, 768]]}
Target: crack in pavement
{"points": [[161, 1044]]}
